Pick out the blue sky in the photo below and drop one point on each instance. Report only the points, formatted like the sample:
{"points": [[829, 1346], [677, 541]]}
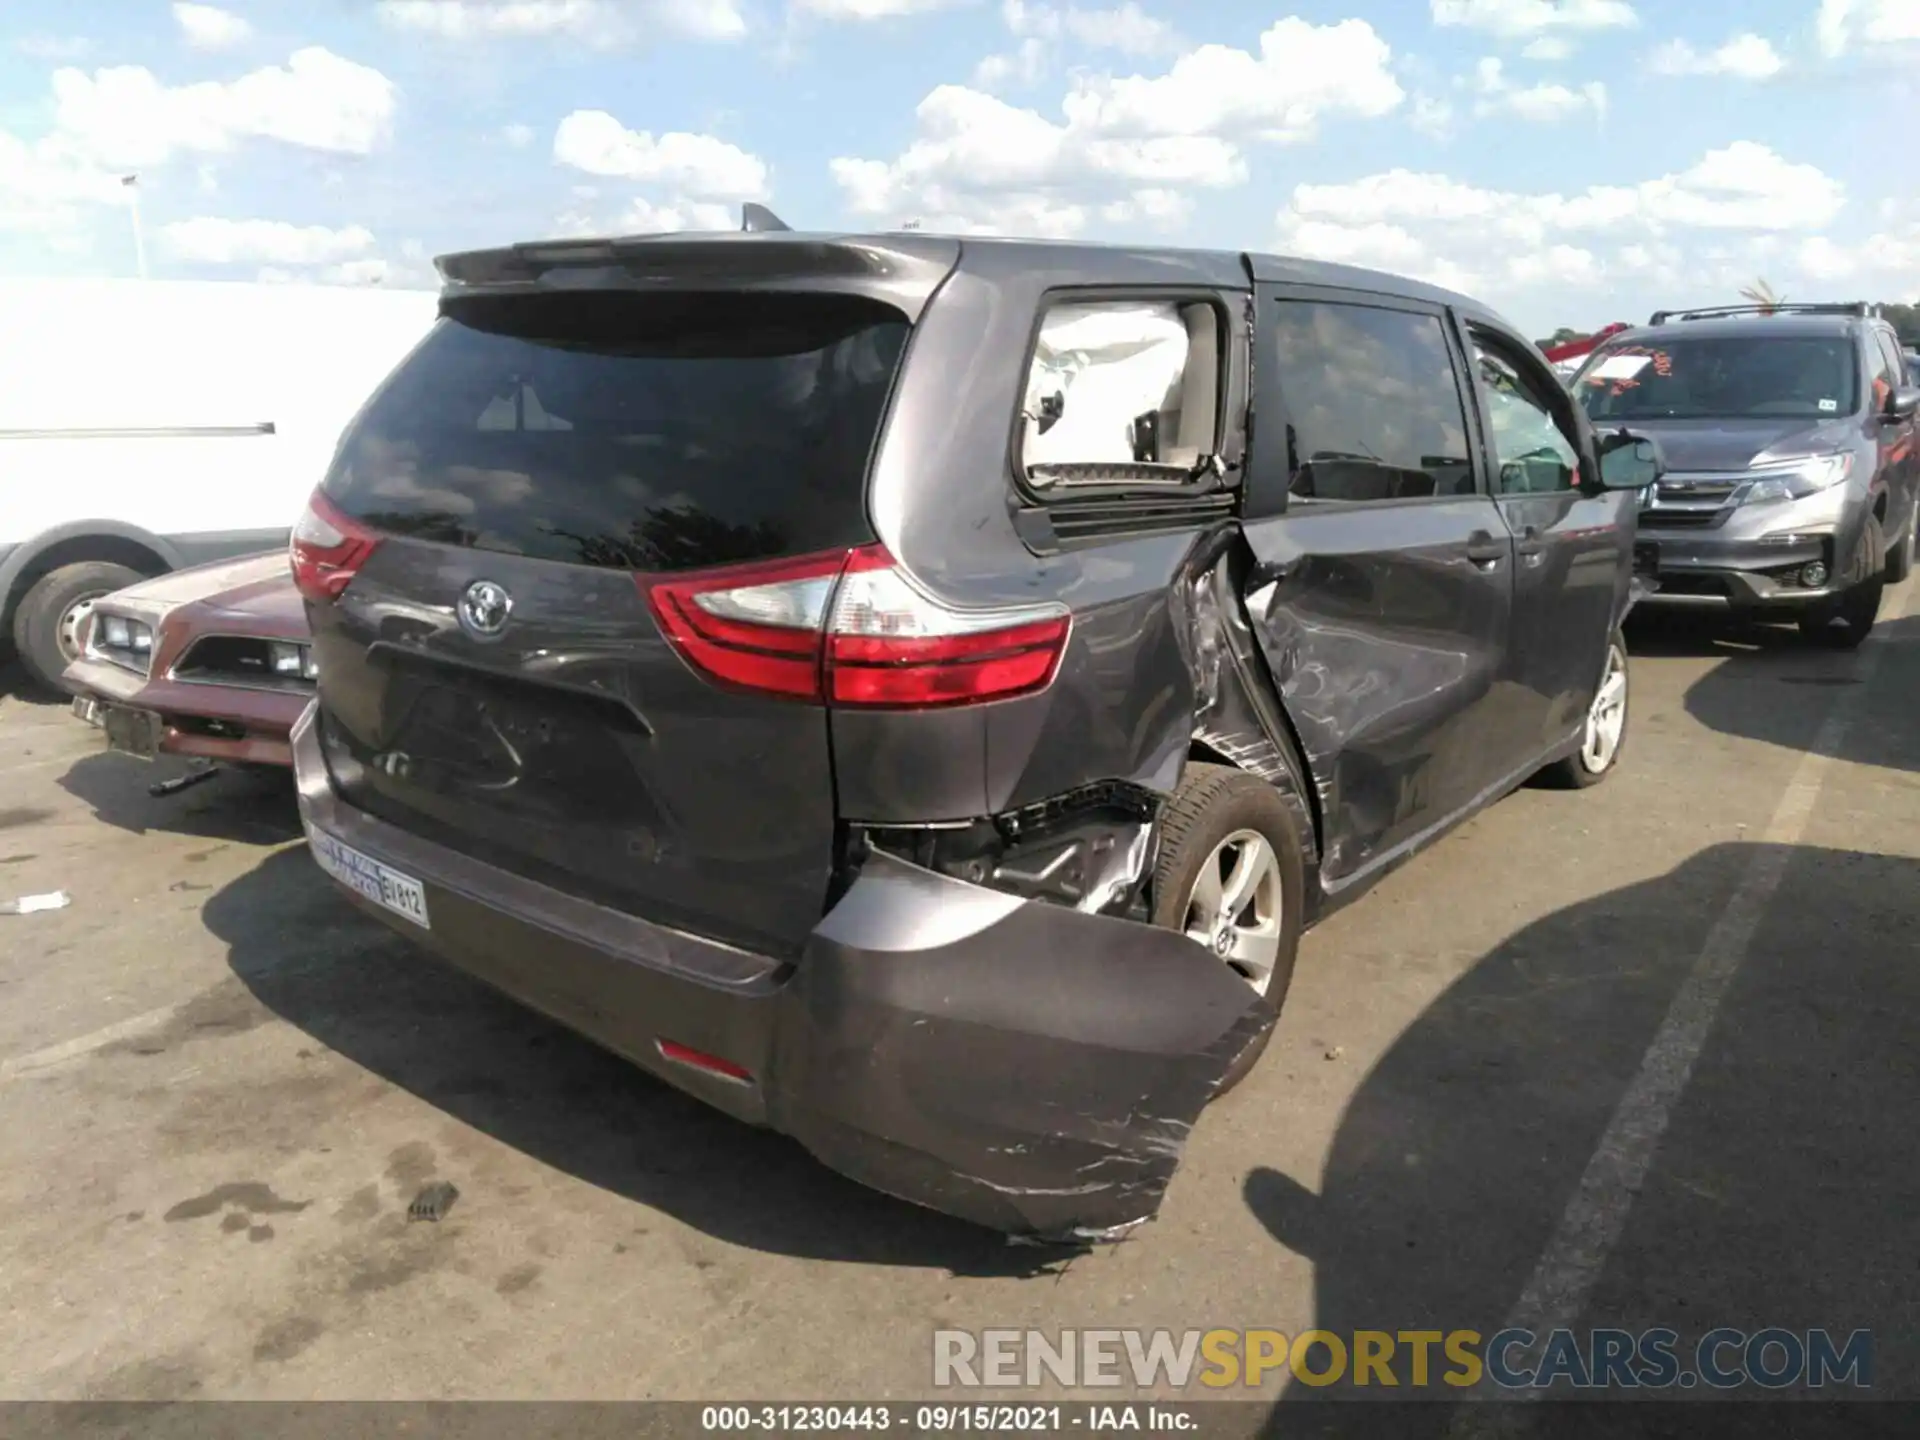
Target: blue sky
{"points": [[1569, 161]]}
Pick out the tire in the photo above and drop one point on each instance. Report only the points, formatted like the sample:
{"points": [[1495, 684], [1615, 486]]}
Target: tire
{"points": [[1214, 805], [1842, 622], [1596, 759], [53, 605]]}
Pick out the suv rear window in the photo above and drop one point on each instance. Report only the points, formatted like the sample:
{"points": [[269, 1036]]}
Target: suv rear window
{"points": [[640, 432], [1730, 377]]}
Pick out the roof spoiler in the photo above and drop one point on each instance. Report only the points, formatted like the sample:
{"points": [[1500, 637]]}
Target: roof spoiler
{"points": [[1860, 308], [757, 218]]}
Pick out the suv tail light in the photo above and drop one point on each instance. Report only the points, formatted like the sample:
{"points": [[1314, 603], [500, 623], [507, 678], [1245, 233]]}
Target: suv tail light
{"points": [[327, 550], [848, 628]]}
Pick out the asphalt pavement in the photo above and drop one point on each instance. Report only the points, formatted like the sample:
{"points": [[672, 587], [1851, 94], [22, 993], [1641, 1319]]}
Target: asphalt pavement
{"points": [[1638, 1056]]}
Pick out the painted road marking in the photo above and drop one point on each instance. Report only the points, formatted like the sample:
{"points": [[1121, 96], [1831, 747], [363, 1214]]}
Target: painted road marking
{"points": [[1556, 1294]]}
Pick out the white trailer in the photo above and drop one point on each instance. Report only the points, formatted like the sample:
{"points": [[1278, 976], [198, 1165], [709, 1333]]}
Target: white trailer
{"points": [[146, 426]]}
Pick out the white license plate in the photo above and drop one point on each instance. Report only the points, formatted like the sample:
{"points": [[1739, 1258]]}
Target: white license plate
{"points": [[381, 884]]}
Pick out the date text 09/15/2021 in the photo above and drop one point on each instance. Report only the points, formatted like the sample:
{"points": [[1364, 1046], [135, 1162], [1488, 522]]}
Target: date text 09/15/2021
{"points": [[1090, 1418]]}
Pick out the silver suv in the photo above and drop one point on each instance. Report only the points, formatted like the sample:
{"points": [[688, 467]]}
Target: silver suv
{"points": [[1794, 463]]}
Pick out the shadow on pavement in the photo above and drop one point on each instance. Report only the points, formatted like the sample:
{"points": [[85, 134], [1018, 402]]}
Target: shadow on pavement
{"points": [[1782, 1193], [253, 806], [1740, 697], [425, 1027]]}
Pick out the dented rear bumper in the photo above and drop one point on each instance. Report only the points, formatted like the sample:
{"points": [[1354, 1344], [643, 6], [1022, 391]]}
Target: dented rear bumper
{"points": [[1018, 1064]]}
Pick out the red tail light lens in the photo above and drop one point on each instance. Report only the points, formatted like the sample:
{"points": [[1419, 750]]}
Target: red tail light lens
{"points": [[327, 550], [849, 628], [753, 627]]}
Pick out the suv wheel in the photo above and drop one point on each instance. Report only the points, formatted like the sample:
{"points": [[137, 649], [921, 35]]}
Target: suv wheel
{"points": [[1231, 878], [46, 627], [1603, 735], [1844, 621]]}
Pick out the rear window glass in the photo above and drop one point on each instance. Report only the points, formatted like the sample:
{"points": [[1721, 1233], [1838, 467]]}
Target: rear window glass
{"points": [[630, 431], [1722, 378]]}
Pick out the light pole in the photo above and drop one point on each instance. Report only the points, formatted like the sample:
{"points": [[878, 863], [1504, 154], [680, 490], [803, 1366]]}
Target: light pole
{"points": [[132, 184]]}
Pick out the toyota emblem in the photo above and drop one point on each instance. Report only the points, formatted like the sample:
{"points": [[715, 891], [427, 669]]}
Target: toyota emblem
{"points": [[484, 608]]}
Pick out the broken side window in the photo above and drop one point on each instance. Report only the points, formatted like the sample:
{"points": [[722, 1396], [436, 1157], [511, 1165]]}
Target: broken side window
{"points": [[1122, 392]]}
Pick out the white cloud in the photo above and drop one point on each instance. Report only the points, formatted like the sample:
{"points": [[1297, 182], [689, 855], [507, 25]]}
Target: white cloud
{"points": [[1746, 57], [1159, 208], [645, 217], [44, 190], [208, 27], [211, 240], [1522, 19], [124, 116], [977, 162], [868, 9], [1302, 73], [1042, 29], [1548, 47], [1432, 115], [1884, 265], [699, 165], [1842, 24], [594, 22], [1489, 241], [1543, 104], [370, 271], [516, 135]]}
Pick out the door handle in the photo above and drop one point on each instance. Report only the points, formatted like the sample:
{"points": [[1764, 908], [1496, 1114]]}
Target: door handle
{"points": [[1531, 543], [1485, 551]]}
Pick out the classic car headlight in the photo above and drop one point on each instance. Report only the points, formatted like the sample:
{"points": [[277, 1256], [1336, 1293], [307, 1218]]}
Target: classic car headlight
{"points": [[117, 637], [1797, 479], [292, 660]]}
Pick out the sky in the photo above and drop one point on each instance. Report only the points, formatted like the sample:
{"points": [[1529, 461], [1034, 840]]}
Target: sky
{"points": [[1569, 162]]}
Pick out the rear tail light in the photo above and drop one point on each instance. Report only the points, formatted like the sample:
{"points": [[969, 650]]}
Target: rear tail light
{"points": [[327, 550], [849, 628]]}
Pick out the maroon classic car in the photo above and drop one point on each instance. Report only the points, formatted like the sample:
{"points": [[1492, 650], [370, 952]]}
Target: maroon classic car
{"points": [[211, 662]]}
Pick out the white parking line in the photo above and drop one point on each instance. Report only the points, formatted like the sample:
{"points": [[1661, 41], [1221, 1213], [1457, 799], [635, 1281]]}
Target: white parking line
{"points": [[82, 1045], [1556, 1294]]}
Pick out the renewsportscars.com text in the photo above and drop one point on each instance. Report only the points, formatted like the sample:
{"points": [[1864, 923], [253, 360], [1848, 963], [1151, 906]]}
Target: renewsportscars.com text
{"points": [[1601, 1359]]}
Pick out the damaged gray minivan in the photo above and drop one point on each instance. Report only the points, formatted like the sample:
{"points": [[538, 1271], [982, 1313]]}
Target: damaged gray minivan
{"points": [[914, 692]]}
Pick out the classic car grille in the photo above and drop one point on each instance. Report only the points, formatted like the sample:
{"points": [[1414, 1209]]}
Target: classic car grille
{"points": [[235, 660]]}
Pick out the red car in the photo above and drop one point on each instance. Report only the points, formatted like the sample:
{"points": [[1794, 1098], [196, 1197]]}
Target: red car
{"points": [[211, 662]]}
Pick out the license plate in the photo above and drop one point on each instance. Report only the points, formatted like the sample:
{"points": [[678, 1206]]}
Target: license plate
{"points": [[382, 884], [129, 732]]}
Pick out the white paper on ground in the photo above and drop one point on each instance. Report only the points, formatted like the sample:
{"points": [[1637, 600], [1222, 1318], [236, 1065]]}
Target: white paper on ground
{"points": [[27, 904]]}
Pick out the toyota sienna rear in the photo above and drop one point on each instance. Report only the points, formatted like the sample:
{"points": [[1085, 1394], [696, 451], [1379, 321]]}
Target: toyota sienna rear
{"points": [[825, 670]]}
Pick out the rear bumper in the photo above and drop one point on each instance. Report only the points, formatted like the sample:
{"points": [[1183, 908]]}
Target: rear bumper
{"points": [[229, 723], [1020, 1065], [1706, 568]]}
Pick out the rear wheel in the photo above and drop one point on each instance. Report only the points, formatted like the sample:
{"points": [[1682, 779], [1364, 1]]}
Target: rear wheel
{"points": [[1842, 622], [48, 624], [1603, 735], [1230, 876]]}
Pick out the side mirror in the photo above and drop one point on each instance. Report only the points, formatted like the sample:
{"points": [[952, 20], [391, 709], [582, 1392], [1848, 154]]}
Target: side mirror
{"points": [[1630, 460], [1903, 402]]}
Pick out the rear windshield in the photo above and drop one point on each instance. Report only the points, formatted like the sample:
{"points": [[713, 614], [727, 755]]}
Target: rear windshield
{"points": [[1722, 378], [630, 431]]}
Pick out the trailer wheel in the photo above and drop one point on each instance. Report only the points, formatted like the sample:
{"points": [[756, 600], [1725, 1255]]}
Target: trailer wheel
{"points": [[47, 626]]}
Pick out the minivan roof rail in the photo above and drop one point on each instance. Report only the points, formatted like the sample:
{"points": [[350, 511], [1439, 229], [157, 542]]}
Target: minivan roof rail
{"points": [[756, 218], [1861, 308]]}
